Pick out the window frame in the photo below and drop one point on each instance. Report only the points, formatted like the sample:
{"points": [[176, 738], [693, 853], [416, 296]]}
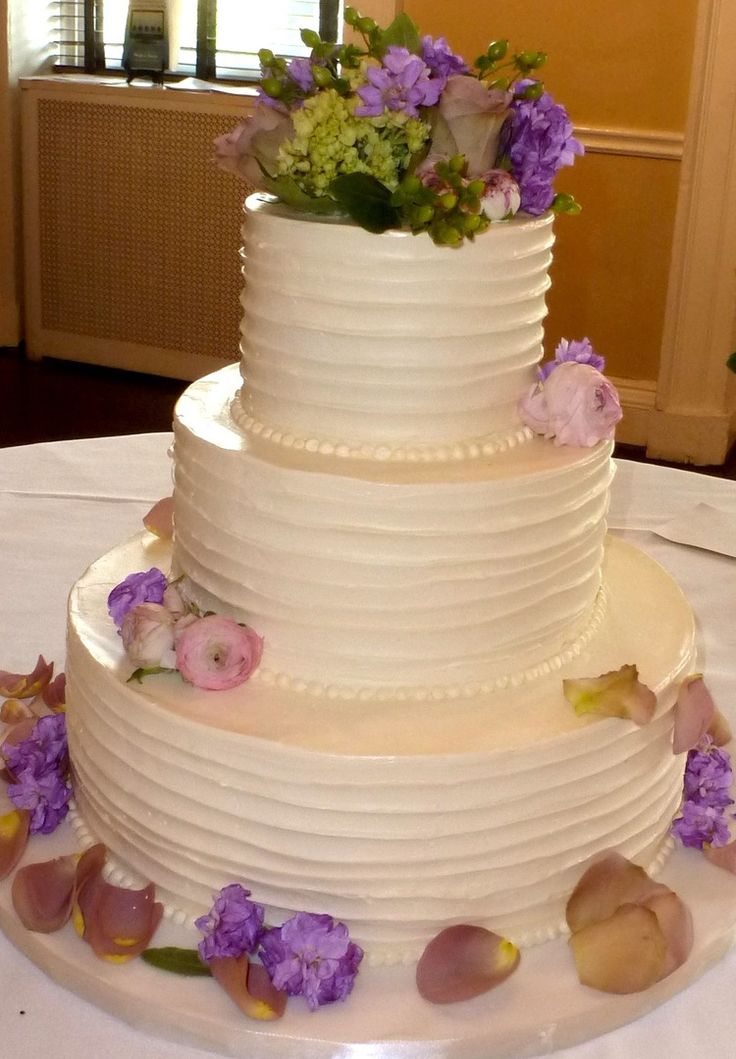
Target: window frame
{"points": [[90, 43]]}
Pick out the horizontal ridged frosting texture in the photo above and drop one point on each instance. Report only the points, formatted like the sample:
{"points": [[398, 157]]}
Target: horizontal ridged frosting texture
{"points": [[379, 340], [424, 578], [491, 823]]}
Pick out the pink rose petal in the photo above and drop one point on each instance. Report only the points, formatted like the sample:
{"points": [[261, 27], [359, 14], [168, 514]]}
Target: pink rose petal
{"points": [[619, 693], [722, 856], [14, 710], [626, 953], [26, 685], [609, 882], [43, 893], [464, 961], [13, 838], [54, 694], [160, 519], [694, 711], [719, 729], [676, 924], [249, 987]]}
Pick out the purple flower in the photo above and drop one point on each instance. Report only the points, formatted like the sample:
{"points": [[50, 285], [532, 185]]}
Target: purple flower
{"points": [[402, 83], [701, 825], [300, 72], [708, 777], [233, 925], [580, 351], [311, 956], [45, 796], [441, 60], [538, 141], [148, 586], [43, 751]]}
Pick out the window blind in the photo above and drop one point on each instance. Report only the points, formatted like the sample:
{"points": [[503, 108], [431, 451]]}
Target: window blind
{"points": [[216, 38]]}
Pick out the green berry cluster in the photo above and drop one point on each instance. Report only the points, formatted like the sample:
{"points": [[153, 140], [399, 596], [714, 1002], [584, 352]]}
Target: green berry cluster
{"points": [[450, 209], [501, 71]]}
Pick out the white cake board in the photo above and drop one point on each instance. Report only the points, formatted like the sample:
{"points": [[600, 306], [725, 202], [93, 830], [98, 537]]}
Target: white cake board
{"points": [[541, 1008]]}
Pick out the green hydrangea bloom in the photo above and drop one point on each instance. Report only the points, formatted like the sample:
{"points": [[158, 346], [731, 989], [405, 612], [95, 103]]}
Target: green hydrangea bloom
{"points": [[330, 141]]}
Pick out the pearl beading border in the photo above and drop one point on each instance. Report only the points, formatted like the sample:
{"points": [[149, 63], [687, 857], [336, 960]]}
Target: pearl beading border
{"points": [[437, 693], [471, 449]]}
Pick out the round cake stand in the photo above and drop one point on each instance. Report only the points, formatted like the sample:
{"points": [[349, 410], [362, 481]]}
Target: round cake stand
{"points": [[541, 1008]]}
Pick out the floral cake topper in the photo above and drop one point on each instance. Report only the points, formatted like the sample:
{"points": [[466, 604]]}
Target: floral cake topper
{"points": [[400, 132]]}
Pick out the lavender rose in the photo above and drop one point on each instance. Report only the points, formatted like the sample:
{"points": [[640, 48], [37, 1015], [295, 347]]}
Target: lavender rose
{"points": [[469, 121], [147, 586], [216, 653], [148, 636], [255, 140], [576, 405]]}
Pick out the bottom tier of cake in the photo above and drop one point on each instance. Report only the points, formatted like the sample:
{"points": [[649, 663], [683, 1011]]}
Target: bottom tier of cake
{"points": [[398, 818]]}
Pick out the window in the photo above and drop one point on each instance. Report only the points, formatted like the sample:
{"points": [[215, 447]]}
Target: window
{"points": [[215, 38]]}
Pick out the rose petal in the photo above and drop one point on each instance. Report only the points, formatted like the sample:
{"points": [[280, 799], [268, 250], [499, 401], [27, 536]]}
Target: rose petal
{"points": [[619, 693], [54, 694], [25, 686], [607, 884], [14, 710], [13, 838], [117, 923], [249, 987], [719, 729], [625, 953], [18, 732], [676, 924], [722, 856], [160, 519], [693, 713], [43, 893], [462, 962]]}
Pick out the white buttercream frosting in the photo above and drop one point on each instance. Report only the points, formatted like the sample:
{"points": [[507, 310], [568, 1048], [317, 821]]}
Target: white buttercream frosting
{"points": [[398, 818], [389, 344]]}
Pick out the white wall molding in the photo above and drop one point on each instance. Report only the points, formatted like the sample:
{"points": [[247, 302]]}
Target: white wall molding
{"points": [[641, 143], [695, 402]]}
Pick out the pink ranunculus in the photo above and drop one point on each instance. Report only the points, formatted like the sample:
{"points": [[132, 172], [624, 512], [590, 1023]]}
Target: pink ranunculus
{"points": [[469, 121], [216, 653], [255, 140], [575, 405], [148, 636]]}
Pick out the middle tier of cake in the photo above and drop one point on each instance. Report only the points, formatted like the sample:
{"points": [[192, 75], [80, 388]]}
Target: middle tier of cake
{"points": [[424, 577]]}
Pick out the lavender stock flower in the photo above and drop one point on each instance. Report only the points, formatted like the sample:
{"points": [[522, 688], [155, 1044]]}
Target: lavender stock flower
{"points": [[147, 586], [46, 796], [580, 351], [311, 956], [233, 926], [701, 825], [441, 60], [402, 83], [45, 749], [538, 141]]}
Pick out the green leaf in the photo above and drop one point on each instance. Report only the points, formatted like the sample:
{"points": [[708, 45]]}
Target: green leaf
{"points": [[731, 362], [402, 33], [178, 961], [366, 200], [139, 674], [288, 191]]}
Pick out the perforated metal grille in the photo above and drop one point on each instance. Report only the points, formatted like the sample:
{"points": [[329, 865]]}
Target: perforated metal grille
{"points": [[139, 229]]}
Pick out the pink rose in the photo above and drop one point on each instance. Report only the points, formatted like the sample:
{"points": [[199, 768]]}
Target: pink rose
{"points": [[469, 121], [257, 139], [575, 405], [148, 636], [216, 653]]}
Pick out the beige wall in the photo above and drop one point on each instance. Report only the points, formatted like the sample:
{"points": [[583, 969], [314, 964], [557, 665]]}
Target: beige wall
{"points": [[623, 66]]}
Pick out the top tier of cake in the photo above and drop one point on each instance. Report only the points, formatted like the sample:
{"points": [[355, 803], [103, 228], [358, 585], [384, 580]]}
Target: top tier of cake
{"points": [[389, 347]]}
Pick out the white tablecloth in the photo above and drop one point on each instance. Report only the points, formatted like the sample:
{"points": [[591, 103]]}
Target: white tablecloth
{"points": [[63, 504]]}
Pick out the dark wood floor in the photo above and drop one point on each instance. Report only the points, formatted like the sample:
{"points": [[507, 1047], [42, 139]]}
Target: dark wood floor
{"points": [[50, 400]]}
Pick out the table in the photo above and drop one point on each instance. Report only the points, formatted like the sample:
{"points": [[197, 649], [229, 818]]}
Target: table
{"points": [[63, 504]]}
